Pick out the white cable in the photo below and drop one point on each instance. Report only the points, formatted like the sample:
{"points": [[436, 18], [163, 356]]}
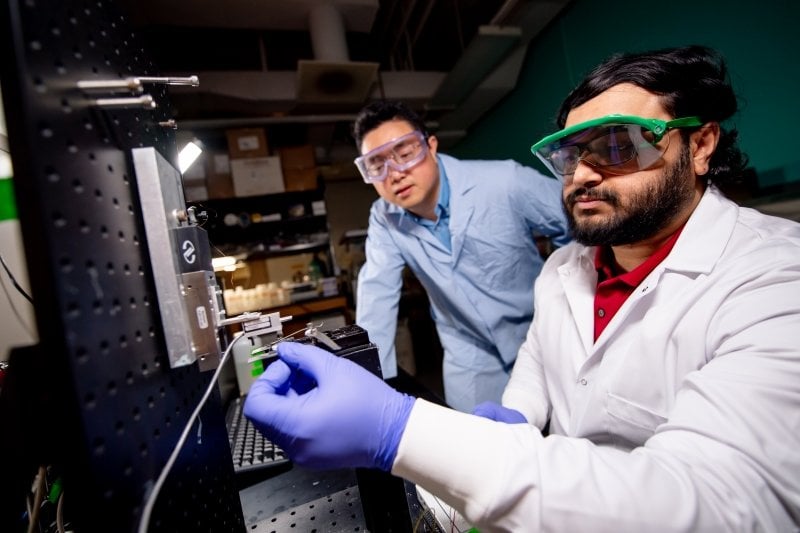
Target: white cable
{"points": [[144, 523]]}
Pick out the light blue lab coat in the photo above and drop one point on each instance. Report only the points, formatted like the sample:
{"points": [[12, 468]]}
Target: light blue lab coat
{"points": [[481, 293]]}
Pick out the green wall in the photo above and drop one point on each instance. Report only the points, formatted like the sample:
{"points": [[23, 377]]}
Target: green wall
{"points": [[759, 39]]}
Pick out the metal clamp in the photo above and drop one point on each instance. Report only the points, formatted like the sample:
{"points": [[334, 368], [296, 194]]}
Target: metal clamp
{"points": [[314, 332]]}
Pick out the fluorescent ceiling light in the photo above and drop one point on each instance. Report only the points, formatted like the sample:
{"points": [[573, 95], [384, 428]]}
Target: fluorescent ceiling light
{"points": [[188, 155]]}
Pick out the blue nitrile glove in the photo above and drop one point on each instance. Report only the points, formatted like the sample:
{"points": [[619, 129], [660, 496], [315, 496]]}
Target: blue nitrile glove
{"points": [[327, 412], [495, 411]]}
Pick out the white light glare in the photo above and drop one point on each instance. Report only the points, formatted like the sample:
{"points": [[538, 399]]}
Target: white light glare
{"points": [[222, 262], [187, 156]]}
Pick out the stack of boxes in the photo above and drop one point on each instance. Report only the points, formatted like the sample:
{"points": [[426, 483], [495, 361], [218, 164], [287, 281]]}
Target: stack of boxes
{"points": [[248, 169], [253, 171], [218, 174]]}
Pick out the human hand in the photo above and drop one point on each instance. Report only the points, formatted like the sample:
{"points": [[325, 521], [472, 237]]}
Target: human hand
{"points": [[495, 411], [327, 412]]}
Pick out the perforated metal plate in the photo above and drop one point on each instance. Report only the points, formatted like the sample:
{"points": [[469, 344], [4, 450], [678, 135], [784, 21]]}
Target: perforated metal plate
{"points": [[120, 406], [339, 512]]}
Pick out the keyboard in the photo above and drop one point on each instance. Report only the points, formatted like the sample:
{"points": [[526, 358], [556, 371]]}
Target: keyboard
{"points": [[252, 453]]}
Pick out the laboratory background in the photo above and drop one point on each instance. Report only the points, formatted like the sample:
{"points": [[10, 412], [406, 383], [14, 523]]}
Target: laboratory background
{"points": [[111, 242]]}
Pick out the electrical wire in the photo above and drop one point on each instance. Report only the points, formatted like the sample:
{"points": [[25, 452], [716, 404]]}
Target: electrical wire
{"points": [[60, 513], [14, 280], [33, 511], [16, 311], [11, 303], [269, 347], [450, 513], [144, 523], [433, 506]]}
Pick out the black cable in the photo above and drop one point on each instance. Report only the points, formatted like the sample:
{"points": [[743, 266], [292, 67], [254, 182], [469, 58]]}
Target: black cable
{"points": [[13, 306], [14, 280]]}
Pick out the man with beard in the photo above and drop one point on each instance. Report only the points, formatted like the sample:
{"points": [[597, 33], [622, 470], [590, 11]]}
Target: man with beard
{"points": [[667, 364]]}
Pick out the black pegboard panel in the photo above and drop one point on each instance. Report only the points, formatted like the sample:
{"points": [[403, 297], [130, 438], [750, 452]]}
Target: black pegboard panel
{"points": [[114, 408]]}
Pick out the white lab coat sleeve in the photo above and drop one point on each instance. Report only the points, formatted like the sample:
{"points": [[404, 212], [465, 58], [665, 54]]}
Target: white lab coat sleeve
{"points": [[486, 470], [378, 294], [726, 458], [526, 391]]}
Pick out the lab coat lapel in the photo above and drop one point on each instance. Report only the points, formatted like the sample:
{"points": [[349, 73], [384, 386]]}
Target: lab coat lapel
{"points": [[462, 206], [409, 226], [697, 250], [579, 281]]}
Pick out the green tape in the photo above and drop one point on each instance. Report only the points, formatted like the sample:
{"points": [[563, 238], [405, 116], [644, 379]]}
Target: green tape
{"points": [[257, 368], [55, 491], [8, 207]]}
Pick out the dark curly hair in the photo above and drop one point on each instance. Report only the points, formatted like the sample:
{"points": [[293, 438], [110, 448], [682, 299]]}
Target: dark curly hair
{"points": [[691, 81], [376, 113]]}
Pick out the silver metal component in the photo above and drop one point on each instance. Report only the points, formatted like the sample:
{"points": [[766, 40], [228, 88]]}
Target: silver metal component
{"points": [[191, 215], [193, 81], [238, 319], [314, 332], [133, 84], [261, 334], [171, 123], [111, 86], [262, 352], [270, 323], [145, 102], [198, 290], [161, 193]]}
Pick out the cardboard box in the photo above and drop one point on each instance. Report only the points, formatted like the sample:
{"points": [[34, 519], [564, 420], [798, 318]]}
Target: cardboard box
{"points": [[196, 192], [218, 176], [256, 176], [297, 157], [300, 179], [247, 142]]}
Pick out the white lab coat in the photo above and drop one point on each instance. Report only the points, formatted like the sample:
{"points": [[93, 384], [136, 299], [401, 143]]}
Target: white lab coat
{"points": [[683, 416]]}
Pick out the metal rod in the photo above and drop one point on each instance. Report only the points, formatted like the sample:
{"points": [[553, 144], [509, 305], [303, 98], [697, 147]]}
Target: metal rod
{"points": [[194, 81], [134, 84], [127, 84], [146, 102]]}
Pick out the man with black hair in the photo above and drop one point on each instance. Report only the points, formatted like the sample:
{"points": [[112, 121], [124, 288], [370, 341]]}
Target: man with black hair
{"points": [[467, 230], [667, 363]]}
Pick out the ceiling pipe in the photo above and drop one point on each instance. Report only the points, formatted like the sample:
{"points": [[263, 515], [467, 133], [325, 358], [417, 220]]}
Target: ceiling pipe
{"points": [[331, 77], [328, 38]]}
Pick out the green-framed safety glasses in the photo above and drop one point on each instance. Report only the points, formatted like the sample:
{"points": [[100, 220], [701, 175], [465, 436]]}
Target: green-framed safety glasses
{"points": [[625, 143]]}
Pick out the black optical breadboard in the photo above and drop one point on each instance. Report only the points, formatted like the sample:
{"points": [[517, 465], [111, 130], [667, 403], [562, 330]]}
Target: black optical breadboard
{"points": [[114, 408]]}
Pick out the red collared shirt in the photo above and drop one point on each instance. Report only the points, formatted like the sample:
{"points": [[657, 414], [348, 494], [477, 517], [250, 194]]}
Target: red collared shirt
{"points": [[613, 287]]}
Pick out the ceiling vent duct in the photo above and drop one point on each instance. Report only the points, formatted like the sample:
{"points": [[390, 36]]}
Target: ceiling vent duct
{"points": [[491, 45], [331, 78]]}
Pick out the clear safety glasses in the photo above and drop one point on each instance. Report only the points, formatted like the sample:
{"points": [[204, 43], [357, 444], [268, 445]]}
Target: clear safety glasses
{"points": [[620, 143], [401, 154]]}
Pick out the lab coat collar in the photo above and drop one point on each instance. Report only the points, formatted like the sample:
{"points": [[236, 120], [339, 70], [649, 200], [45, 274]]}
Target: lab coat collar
{"points": [[459, 212], [461, 206], [701, 244], [706, 234]]}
